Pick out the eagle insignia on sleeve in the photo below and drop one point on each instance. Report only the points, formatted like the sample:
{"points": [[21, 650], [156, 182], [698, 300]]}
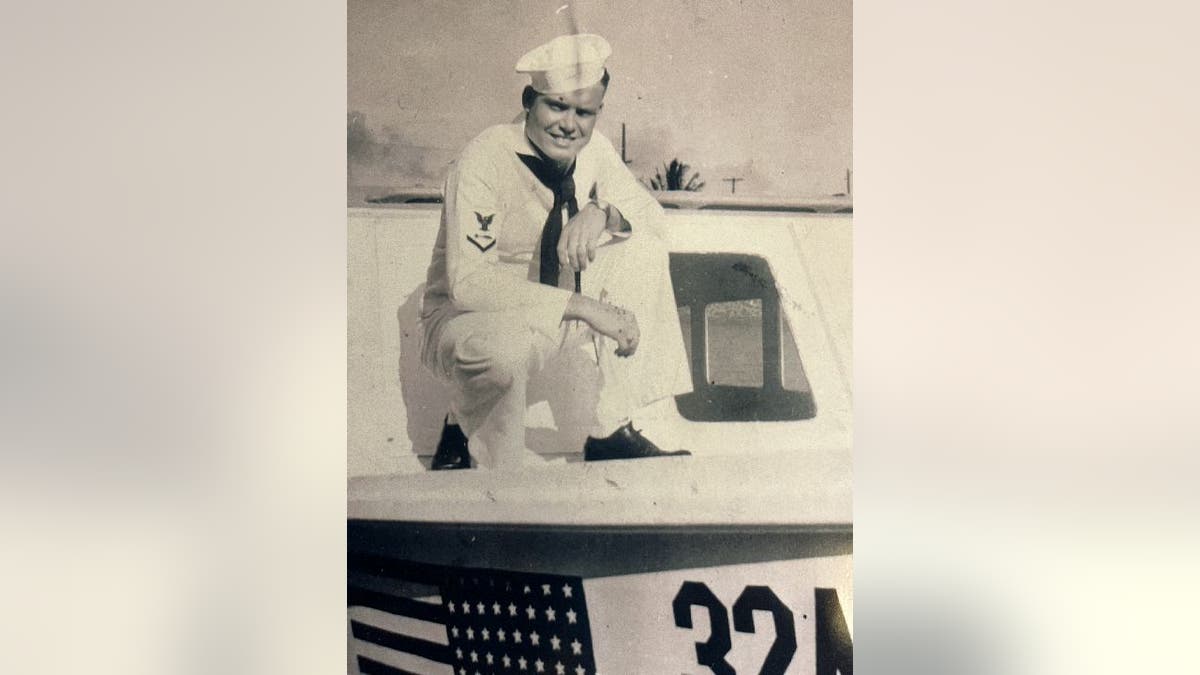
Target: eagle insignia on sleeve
{"points": [[481, 239]]}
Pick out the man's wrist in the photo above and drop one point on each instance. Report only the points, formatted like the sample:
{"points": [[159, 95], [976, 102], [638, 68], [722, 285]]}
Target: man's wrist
{"points": [[614, 221], [603, 206]]}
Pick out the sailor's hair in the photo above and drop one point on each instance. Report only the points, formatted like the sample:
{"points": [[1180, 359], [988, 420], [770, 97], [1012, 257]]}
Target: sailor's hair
{"points": [[529, 94]]}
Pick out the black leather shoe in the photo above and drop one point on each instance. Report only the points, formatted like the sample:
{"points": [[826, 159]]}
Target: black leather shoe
{"points": [[624, 443], [451, 449]]}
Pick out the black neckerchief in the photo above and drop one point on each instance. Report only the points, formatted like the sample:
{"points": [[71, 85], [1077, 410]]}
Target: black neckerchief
{"points": [[562, 184]]}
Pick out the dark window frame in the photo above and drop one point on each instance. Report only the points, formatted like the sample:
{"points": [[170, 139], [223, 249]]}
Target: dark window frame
{"points": [[702, 279]]}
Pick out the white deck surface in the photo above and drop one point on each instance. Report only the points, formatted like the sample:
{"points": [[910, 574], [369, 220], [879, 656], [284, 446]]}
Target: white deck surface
{"points": [[763, 488]]}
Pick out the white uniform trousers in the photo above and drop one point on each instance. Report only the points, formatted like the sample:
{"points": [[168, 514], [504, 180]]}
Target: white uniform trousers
{"points": [[489, 357]]}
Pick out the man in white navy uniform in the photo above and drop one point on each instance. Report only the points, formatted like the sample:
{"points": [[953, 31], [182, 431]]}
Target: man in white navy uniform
{"points": [[548, 243]]}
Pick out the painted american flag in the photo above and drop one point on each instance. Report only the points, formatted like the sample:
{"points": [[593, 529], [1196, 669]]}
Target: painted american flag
{"points": [[408, 618]]}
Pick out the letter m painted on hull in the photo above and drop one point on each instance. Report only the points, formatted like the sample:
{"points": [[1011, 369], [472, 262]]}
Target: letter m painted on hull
{"points": [[835, 652]]}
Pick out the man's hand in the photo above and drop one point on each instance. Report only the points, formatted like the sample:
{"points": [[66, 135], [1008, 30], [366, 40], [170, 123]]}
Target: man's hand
{"points": [[609, 320], [577, 245]]}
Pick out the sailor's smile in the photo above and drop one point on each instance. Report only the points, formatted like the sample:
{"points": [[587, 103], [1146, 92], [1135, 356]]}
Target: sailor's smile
{"points": [[560, 125]]}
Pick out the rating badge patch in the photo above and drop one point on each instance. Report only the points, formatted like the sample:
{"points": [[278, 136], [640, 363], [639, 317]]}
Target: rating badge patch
{"points": [[481, 239]]}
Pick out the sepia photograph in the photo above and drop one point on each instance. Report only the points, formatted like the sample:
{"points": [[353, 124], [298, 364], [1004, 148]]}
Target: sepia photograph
{"points": [[621, 338], [599, 396], [671, 338]]}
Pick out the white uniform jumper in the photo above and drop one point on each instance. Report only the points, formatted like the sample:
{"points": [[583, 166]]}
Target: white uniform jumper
{"points": [[489, 324]]}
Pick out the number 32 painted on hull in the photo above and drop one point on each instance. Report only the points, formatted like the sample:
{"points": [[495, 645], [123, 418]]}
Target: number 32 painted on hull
{"points": [[833, 647]]}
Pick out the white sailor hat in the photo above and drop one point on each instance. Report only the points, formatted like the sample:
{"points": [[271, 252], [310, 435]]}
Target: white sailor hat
{"points": [[566, 63]]}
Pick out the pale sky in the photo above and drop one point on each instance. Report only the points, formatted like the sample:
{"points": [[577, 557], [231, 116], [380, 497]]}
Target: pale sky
{"points": [[757, 90]]}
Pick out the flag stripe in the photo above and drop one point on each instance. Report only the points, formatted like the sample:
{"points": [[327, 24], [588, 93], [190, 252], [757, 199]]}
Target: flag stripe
{"points": [[391, 586], [408, 662], [423, 630], [372, 667], [414, 609], [403, 643], [378, 565]]}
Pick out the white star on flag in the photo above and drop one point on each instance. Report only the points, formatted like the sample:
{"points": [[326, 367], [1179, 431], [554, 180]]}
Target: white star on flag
{"points": [[507, 661], [454, 631], [500, 635], [550, 614], [555, 642], [480, 607], [576, 647], [560, 668], [470, 633], [570, 616], [512, 609], [485, 634], [462, 671], [527, 591], [533, 638], [466, 608], [521, 662], [540, 665], [474, 656], [458, 653], [531, 612], [496, 608], [545, 589], [517, 636], [488, 658], [566, 590], [450, 606], [579, 670]]}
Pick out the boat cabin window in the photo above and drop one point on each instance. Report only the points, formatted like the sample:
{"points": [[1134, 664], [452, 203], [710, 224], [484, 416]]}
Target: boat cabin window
{"points": [[744, 360]]}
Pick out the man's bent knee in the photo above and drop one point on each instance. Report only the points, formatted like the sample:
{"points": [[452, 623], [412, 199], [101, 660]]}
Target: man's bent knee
{"points": [[491, 361]]}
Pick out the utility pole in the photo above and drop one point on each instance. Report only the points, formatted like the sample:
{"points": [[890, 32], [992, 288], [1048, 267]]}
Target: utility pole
{"points": [[732, 184], [623, 157]]}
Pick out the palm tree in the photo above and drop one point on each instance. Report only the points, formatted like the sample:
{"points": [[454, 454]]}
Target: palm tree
{"points": [[672, 178]]}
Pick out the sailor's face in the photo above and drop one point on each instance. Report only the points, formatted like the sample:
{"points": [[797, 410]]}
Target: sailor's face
{"points": [[561, 124]]}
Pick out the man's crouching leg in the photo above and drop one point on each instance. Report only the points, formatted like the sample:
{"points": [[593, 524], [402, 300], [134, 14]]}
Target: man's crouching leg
{"points": [[487, 359], [635, 275]]}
